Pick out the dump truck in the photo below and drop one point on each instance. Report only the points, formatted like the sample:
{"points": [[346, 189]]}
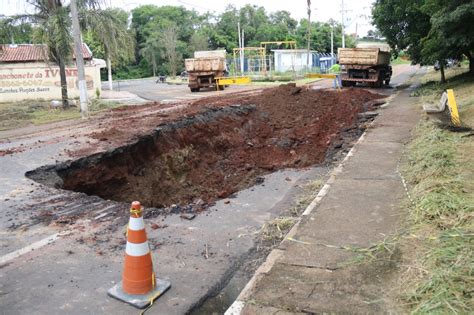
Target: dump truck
{"points": [[204, 68], [365, 65]]}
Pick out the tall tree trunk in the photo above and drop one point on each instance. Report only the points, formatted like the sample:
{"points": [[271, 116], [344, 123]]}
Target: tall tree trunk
{"points": [[109, 72], [470, 57], [62, 75], [441, 68], [153, 62]]}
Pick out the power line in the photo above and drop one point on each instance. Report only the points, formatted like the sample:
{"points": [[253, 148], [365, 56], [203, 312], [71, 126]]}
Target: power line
{"points": [[196, 6]]}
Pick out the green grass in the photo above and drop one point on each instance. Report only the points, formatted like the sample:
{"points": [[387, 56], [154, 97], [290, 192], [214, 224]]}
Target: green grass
{"points": [[27, 113], [400, 61], [438, 272]]}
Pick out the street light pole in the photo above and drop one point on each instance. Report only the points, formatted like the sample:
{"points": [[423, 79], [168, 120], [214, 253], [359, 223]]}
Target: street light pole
{"points": [[342, 24], [79, 60], [309, 34], [332, 45]]}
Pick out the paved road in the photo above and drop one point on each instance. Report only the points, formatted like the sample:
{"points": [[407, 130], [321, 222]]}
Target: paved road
{"points": [[150, 90]]}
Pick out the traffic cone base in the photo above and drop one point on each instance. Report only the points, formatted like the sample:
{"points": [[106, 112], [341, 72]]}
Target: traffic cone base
{"points": [[140, 300]]}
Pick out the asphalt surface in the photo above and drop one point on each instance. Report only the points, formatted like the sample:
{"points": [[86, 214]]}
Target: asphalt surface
{"points": [[73, 272], [148, 89]]}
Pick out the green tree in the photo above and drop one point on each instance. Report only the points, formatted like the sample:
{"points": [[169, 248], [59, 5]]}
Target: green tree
{"points": [[452, 27], [149, 51], [207, 31], [225, 34], [169, 45], [108, 34], [15, 33], [199, 41], [321, 35], [404, 24], [153, 26], [429, 30], [54, 30]]}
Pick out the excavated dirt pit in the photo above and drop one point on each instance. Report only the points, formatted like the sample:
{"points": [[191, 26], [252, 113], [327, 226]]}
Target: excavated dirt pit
{"points": [[221, 149]]}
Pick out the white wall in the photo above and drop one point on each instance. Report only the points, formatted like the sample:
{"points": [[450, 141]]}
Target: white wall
{"points": [[35, 80]]}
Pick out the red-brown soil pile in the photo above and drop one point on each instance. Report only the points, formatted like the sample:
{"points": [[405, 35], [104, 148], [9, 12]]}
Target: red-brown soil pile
{"points": [[221, 148]]}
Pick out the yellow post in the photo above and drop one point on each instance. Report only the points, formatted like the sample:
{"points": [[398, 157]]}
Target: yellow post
{"points": [[453, 108], [233, 80], [321, 75]]}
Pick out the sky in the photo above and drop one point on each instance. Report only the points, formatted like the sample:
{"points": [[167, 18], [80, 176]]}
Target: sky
{"points": [[357, 12]]}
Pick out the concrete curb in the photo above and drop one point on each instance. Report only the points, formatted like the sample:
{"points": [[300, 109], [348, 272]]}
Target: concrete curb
{"points": [[239, 304]]}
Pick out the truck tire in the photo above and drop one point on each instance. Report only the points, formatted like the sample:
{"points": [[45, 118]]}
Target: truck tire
{"points": [[378, 83], [387, 82], [195, 89], [346, 83], [220, 87]]}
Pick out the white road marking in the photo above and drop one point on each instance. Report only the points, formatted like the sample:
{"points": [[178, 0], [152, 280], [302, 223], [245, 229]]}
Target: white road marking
{"points": [[48, 240], [235, 309]]}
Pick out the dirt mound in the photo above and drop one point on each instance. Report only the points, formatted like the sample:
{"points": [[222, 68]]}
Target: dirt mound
{"points": [[223, 147]]}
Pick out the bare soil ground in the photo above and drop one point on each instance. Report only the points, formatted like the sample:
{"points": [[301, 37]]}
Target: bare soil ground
{"points": [[209, 149]]}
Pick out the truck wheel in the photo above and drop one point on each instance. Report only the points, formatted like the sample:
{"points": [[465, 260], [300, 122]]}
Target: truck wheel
{"points": [[387, 82], [378, 83], [346, 83], [220, 87], [195, 89]]}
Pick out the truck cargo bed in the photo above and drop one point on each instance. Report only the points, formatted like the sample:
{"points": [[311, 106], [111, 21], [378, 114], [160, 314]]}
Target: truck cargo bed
{"points": [[205, 64], [363, 56]]}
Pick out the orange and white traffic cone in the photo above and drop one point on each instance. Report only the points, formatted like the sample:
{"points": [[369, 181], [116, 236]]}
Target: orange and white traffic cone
{"points": [[139, 286]]}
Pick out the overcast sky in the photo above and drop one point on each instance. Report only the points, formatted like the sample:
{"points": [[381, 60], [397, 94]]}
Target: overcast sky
{"points": [[357, 14]]}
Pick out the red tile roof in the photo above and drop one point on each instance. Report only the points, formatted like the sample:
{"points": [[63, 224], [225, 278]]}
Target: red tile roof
{"points": [[30, 53]]}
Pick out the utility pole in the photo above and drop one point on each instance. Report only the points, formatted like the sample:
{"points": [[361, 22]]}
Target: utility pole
{"points": [[243, 51], [109, 72], [79, 60], [342, 24], [241, 48], [309, 35], [332, 45], [357, 33]]}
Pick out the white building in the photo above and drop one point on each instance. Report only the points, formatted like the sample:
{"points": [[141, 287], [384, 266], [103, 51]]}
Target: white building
{"points": [[292, 59], [25, 73]]}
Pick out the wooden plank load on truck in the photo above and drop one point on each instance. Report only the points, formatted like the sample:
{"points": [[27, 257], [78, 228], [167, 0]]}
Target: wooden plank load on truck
{"points": [[204, 68], [365, 65]]}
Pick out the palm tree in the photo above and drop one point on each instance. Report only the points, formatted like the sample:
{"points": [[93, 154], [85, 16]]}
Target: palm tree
{"points": [[53, 21], [54, 30]]}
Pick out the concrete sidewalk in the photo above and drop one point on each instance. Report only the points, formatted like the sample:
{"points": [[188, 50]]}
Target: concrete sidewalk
{"points": [[313, 269], [122, 97]]}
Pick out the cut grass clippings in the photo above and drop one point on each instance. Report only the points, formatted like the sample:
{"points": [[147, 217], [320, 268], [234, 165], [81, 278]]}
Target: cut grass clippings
{"points": [[274, 231], [441, 221], [438, 267]]}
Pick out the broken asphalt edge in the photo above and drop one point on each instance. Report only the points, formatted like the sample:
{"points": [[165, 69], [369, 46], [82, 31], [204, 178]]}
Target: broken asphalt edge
{"points": [[238, 305]]}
